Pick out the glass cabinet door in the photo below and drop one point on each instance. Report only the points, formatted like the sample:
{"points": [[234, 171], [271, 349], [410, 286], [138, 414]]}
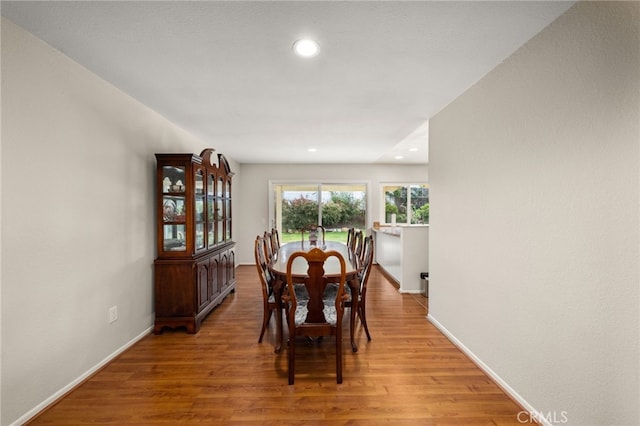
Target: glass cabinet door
{"points": [[173, 209], [220, 211], [211, 185], [219, 221], [199, 209], [227, 210]]}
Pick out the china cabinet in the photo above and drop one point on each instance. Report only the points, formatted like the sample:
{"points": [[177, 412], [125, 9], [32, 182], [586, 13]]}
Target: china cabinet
{"points": [[195, 267]]}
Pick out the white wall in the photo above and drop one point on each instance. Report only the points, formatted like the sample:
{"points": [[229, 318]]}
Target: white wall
{"points": [[253, 211], [78, 231], [534, 177]]}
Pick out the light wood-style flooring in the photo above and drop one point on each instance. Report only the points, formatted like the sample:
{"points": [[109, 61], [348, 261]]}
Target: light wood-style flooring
{"points": [[409, 374]]}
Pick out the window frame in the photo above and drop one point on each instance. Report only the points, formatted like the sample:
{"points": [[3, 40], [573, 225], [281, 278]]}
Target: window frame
{"points": [[383, 199]]}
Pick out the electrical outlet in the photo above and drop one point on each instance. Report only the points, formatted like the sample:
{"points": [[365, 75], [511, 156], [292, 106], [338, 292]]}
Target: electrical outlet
{"points": [[113, 313]]}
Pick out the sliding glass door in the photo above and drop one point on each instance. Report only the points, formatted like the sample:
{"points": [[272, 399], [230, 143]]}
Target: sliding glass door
{"points": [[337, 207]]}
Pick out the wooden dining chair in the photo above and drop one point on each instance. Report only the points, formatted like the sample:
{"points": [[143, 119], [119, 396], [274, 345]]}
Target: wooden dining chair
{"points": [[268, 297], [314, 234], [315, 316], [363, 279]]}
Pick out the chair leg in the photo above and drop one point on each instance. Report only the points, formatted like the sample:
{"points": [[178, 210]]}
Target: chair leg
{"points": [[352, 327], [265, 322], [363, 319]]}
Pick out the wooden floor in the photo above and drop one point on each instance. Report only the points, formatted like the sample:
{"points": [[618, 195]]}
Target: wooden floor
{"points": [[409, 374]]}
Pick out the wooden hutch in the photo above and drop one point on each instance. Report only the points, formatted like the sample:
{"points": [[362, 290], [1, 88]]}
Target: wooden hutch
{"points": [[195, 267]]}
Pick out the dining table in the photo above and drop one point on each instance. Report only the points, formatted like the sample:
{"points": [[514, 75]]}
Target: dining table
{"points": [[278, 268]]}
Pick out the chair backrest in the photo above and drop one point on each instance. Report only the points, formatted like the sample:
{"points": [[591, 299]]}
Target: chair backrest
{"points": [[315, 283], [350, 241], [316, 234], [358, 244], [266, 279], [275, 239], [268, 246], [367, 261]]}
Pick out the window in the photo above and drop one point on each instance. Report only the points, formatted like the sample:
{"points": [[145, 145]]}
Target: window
{"points": [[335, 206], [409, 202]]}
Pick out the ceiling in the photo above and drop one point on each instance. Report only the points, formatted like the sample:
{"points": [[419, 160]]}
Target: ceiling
{"points": [[225, 72]]}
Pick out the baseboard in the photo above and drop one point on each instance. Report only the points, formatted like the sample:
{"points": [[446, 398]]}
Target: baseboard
{"points": [[68, 388], [388, 276], [492, 374]]}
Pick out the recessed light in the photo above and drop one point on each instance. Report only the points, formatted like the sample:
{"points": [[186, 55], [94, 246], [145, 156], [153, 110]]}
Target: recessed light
{"points": [[312, 149], [398, 157], [306, 48], [413, 149]]}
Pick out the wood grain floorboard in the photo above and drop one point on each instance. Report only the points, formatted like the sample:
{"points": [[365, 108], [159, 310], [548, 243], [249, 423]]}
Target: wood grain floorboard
{"points": [[409, 374]]}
